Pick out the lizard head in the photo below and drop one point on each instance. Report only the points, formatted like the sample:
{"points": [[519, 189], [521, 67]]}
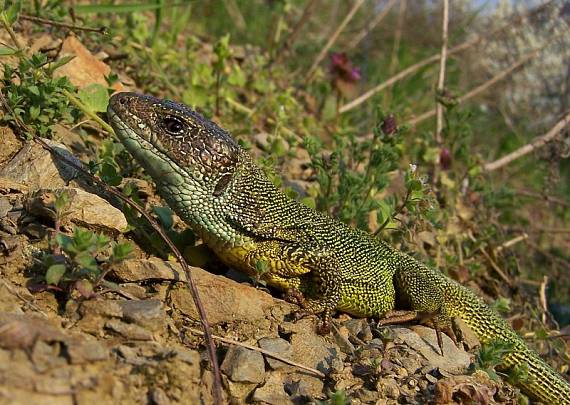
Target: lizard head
{"points": [[174, 144]]}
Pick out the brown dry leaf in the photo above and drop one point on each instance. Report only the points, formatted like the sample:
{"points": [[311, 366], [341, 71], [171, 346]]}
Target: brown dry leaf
{"points": [[84, 69], [462, 390]]}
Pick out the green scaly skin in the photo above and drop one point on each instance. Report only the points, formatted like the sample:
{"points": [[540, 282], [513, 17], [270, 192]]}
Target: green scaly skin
{"points": [[218, 190]]}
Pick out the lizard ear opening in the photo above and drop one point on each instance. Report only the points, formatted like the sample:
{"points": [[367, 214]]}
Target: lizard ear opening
{"points": [[222, 184]]}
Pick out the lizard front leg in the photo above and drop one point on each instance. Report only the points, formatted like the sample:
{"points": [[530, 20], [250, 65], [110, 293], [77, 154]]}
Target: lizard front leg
{"points": [[304, 267]]}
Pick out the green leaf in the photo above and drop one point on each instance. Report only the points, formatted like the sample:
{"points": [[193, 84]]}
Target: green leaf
{"points": [[11, 14], [109, 175], [61, 201], [95, 97], [121, 251], [54, 273], [64, 241], [5, 51], [60, 62], [86, 261]]}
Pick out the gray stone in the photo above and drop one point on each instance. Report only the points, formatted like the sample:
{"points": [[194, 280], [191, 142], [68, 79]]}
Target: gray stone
{"points": [[424, 341], [146, 313], [388, 388], [5, 206], [244, 365], [86, 351], [36, 168], [224, 300], [128, 331], [311, 349], [278, 346], [341, 339], [84, 209], [272, 392]]}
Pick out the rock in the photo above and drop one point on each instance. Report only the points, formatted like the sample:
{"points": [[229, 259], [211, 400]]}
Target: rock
{"points": [[84, 209], [243, 365], [311, 349], [86, 351], [341, 339], [84, 69], [278, 346], [22, 331], [36, 168], [157, 396], [224, 300], [191, 357], [272, 391], [302, 387], [423, 340], [128, 331], [468, 337], [11, 144], [239, 391], [146, 313], [5, 206], [388, 388], [104, 308], [8, 186]]}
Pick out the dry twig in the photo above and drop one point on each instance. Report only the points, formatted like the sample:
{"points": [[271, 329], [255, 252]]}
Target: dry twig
{"points": [[258, 349], [526, 149], [441, 78], [482, 87], [369, 27]]}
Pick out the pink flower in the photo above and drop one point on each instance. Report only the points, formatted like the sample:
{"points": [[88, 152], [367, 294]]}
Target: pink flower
{"points": [[342, 68]]}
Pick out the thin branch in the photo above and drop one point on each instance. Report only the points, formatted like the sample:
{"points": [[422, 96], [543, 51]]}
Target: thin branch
{"points": [[333, 39], [441, 78], [260, 350], [366, 30], [511, 242], [526, 149], [45, 21], [542, 298], [434, 58], [481, 88]]}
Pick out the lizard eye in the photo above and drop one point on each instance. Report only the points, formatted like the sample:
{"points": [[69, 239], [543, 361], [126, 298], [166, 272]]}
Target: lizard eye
{"points": [[173, 125]]}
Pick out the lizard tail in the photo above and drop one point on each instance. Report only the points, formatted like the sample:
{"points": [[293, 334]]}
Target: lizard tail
{"points": [[543, 382]]}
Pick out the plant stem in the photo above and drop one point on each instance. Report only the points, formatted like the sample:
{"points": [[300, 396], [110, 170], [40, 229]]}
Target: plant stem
{"points": [[441, 79]]}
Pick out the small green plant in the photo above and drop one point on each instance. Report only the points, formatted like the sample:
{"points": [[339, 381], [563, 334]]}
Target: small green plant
{"points": [[338, 397], [491, 355], [261, 267], [223, 53], [83, 261], [35, 96]]}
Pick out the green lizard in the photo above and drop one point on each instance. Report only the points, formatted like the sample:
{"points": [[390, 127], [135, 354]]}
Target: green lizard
{"points": [[217, 189]]}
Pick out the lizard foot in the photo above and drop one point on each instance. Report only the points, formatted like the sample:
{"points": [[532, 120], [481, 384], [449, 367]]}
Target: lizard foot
{"points": [[427, 318], [294, 296]]}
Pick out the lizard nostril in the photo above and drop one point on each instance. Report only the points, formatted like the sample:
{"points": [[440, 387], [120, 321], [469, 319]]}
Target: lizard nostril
{"points": [[123, 100]]}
